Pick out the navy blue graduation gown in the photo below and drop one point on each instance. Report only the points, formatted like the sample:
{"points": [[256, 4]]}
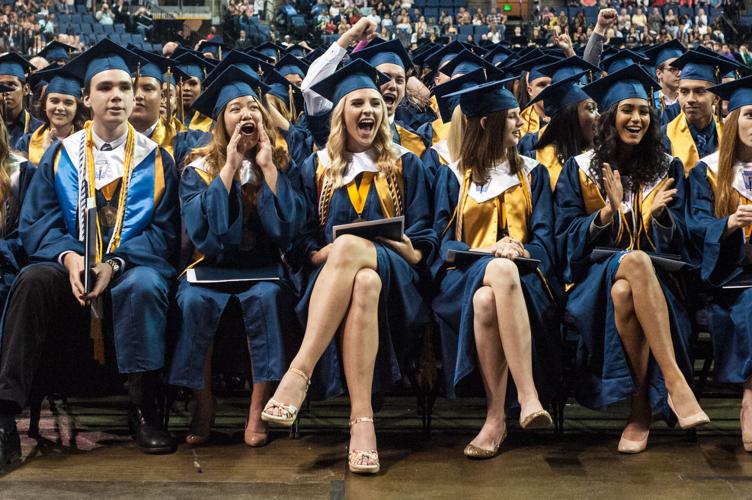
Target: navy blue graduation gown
{"points": [[48, 227], [453, 305], [232, 231], [720, 260], [402, 310], [669, 113], [24, 124], [413, 116], [602, 373]]}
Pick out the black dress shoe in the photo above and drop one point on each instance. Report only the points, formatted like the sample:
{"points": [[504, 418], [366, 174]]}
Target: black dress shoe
{"points": [[149, 434], [10, 444]]}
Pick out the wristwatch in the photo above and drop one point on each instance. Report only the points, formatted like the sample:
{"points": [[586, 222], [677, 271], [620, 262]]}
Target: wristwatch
{"points": [[115, 265]]}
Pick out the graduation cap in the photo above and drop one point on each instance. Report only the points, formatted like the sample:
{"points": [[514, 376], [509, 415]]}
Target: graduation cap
{"points": [[738, 69], [103, 56], [14, 65], [56, 51], [622, 59], [627, 83], [533, 64], [256, 68], [231, 84], [738, 93], [486, 98], [697, 65], [194, 66], [291, 65], [41, 77], [420, 55], [498, 54], [297, 50], [215, 48], [659, 54], [447, 104], [444, 54], [565, 68], [391, 52], [355, 76], [58, 80], [270, 50], [467, 62], [561, 94], [156, 66]]}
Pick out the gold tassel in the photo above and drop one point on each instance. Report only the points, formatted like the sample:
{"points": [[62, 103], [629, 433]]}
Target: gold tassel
{"points": [[291, 99]]}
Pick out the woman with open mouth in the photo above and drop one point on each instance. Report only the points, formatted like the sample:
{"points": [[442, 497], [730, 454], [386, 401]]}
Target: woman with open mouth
{"points": [[64, 114], [366, 289], [241, 211], [628, 196], [495, 312], [719, 217]]}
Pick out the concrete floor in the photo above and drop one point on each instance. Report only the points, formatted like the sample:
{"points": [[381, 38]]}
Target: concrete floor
{"points": [[88, 455]]}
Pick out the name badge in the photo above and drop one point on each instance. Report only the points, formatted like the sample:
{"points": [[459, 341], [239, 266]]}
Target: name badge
{"points": [[102, 168], [747, 177]]}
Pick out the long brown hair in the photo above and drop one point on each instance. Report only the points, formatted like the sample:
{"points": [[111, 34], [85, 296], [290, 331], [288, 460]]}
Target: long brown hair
{"points": [[483, 148], [725, 198], [5, 161], [215, 153], [336, 146]]}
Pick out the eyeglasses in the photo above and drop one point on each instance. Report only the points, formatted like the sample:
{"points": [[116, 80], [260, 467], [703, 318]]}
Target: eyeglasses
{"points": [[672, 69]]}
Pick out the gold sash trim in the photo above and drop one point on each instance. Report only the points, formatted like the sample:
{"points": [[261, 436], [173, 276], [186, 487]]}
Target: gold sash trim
{"points": [[547, 156], [200, 122], [531, 120], [359, 194], [164, 136], [36, 144], [682, 144], [480, 223], [411, 141]]}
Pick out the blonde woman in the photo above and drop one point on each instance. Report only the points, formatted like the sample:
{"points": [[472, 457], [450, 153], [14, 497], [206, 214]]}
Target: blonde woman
{"points": [[240, 211], [719, 218], [367, 290]]}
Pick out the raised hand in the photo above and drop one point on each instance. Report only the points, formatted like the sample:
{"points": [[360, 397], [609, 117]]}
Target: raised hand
{"points": [[663, 198], [614, 189]]}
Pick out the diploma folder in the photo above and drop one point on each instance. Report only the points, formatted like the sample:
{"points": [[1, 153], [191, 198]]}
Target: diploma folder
{"points": [[217, 275], [90, 245], [743, 281], [467, 257], [663, 261], [390, 229]]}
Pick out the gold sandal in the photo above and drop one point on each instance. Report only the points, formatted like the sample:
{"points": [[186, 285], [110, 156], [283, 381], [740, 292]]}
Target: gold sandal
{"points": [[478, 453], [282, 413], [363, 462]]}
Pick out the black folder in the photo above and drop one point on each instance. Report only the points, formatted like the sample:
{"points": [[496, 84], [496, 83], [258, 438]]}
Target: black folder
{"points": [[743, 281], [664, 261], [217, 275], [390, 229], [90, 246], [466, 257]]}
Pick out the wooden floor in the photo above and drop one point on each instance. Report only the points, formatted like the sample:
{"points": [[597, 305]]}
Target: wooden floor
{"points": [[87, 454]]}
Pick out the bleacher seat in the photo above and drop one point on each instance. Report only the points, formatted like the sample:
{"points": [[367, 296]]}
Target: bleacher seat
{"points": [[76, 19], [115, 37], [98, 28], [63, 18], [431, 12], [465, 30], [479, 31], [108, 28], [81, 9], [446, 4], [86, 29], [119, 27], [433, 3], [459, 3], [420, 3]]}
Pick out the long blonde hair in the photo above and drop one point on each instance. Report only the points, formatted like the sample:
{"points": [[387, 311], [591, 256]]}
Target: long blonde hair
{"points": [[5, 161], [215, 153], [336, 146], [454, 136], [725, 199]]}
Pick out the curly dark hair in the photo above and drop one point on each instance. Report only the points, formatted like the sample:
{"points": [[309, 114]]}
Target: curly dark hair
{"points": [[565, 133], [647, 162]]}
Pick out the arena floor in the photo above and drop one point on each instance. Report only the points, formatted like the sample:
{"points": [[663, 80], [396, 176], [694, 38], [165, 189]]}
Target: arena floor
{"points": [[89, 455]]}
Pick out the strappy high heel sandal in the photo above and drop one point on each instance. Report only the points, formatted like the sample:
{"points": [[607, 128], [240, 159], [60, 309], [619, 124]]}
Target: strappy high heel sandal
{"points": [[281, 413], [363, 462]]}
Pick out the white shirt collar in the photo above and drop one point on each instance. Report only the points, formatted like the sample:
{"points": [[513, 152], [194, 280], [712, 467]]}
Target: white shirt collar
{"points": [[98, 141], [150, 130]]}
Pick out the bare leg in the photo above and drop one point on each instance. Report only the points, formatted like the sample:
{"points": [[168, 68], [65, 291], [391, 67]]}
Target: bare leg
{"points": [[514, 328], [637, 352], [493, 368], [360, 343], [203, 413], [652, 313], [329, 302], [256, 431], [746, 415]]}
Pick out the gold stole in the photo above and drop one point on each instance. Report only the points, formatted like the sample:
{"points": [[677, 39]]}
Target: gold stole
{"points": [[682, 143], [411, 141], [478, 224], [531, 120], [642, 208], [434, 104], [391, 202], [547, 156], [735, 198], [164, 136], [36, 144], [440, 130], [200, 122]]}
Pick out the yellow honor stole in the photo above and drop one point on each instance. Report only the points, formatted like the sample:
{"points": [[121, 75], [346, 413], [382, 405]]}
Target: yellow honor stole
{"points": [[682, 144], [411, 141], [736, 198], [531, 120], [200, 122]]}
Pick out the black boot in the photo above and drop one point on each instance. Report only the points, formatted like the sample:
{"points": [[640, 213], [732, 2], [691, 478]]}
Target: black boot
{"points": [[10, 442], [144, 416]]}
